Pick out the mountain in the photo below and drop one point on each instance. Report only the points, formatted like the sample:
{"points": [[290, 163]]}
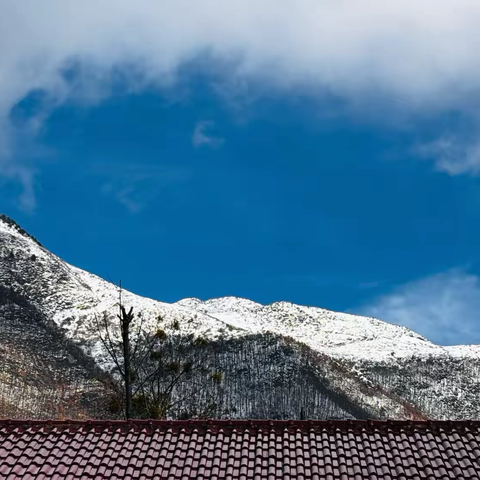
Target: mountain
{"points": [[279, 361]]}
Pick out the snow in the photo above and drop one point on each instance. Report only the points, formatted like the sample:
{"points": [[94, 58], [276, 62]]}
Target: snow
{"points": [[76, 300], [84, 296], [464, 351]]}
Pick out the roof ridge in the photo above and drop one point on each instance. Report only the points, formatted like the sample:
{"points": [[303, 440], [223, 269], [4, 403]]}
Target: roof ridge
{"points": [[252, 423]]}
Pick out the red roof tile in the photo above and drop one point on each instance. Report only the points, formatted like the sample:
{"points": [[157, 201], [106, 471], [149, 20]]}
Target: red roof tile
{"points": [[234, 450]]}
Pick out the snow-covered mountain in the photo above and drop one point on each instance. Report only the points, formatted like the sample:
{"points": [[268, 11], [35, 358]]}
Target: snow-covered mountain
{"points": [[361, 364]]}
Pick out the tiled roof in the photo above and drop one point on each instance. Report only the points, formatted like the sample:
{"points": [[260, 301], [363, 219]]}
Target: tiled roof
{"points": [[215, 449]]}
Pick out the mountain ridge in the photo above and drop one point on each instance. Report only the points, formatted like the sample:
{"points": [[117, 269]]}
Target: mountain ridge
{"points": [[366, 350]]}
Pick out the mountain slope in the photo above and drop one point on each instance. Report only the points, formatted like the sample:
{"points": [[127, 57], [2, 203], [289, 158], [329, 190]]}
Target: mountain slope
{"points": [[41, 373], [358, 362]]}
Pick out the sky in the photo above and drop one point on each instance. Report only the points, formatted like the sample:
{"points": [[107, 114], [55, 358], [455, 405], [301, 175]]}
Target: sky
{"points": [[321, 152]]}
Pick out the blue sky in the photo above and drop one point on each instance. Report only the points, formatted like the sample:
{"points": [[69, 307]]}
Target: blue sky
{"points": [[220, 164]]}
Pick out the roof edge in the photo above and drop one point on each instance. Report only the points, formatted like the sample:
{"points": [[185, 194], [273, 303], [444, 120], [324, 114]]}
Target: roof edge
{"points": [[252, 424]]}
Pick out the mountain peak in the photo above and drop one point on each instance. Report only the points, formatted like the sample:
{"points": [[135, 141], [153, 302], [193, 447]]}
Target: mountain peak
{"points": [[13, 224]]}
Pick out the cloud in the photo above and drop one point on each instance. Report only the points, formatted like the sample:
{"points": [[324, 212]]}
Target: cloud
{"points": [[453, 155], [420, 51], [202, 138], [444, 307], [423, 53], [136, 186]]}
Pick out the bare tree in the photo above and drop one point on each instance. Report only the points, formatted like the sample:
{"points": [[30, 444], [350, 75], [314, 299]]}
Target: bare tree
{"points": [[160, 374], [176, 376]]}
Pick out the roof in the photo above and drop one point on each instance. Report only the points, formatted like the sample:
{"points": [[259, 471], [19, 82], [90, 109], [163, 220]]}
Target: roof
{"points": [[219, 449]]}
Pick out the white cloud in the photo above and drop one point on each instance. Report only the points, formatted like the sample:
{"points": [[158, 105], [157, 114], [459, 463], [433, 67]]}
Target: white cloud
{"points": [[424, 53], [136, 186], [202, 136], [444, 308], [453, 155]]}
